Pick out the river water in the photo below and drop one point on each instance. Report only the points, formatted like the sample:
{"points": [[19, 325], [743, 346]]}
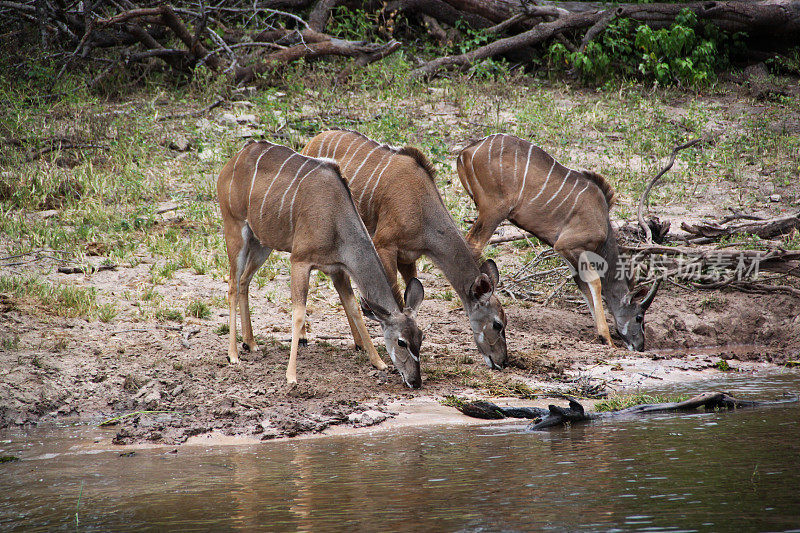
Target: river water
{"points": [[678, 472]]}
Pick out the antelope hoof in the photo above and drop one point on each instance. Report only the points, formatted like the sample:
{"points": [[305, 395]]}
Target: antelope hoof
{"points": [[233, 359], [302, 342], [607, 341], [246, 347], [380, 365]]}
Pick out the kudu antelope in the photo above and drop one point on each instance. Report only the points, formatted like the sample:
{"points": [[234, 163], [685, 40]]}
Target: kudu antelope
{"points": [[396, 196], [273, 198], [510, 178]]}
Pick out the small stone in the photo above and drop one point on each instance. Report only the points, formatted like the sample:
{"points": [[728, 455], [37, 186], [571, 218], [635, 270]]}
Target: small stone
{"points": [[44, 215], [775, 198], [181, 144]]}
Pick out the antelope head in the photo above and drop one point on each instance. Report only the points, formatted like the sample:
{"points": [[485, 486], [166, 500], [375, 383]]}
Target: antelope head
{"points": [[400, 332], [486, 316], [629, 317]]}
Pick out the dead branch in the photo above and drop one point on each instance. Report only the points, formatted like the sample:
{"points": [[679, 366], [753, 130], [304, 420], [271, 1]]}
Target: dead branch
{"points": [[366, 59], [765, 229], [336, 47], [648, 235], [318, 18], [560, 416], [538, 34]]}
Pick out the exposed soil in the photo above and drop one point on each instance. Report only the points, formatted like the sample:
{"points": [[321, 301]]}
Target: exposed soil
{"points": [[179, 388]]}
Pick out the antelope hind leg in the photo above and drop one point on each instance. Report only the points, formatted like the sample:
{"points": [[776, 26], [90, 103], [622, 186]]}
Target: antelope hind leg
{"points": [[256, 255], [300, 273], [236, 247]]}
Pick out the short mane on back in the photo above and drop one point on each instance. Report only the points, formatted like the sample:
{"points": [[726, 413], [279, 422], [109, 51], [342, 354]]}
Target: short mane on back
{"points": [[420, 158], [605, 186]]}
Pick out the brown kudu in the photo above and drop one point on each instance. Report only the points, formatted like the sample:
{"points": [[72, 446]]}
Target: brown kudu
{"points": [[397, 198], [510, 178], [273, 198]]}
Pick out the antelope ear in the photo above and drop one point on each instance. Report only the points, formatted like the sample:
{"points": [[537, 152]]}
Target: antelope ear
{"points": [[373, 311], [489, 268], [640, 293], [414, 295], [482, 289]]}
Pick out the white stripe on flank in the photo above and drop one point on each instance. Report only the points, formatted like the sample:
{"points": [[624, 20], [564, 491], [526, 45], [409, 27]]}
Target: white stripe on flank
{"points": [[321, 144], [502, 148], [233, 175], [571, 209], [567, 195], [466, 176], [352, 156], [283, 198], [525, 175], [559, 189], [274, 179], [489, 158], [374, 170], [516, 155], [475, 151], [291, 205], [355, 174], [255, 171], [335, 147], [545, 183], [369, 201], [341, 160]]}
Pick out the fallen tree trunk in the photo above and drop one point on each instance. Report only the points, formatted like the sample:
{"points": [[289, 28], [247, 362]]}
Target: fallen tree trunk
{"points": [[555, 415], [775, 20], [766, 229]]}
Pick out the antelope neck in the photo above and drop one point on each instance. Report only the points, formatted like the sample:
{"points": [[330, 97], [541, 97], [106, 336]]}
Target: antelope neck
{"points": [[449, 252]]}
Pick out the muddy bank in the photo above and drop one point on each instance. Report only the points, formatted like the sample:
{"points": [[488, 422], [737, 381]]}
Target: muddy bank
{"points": [[165, 383]]}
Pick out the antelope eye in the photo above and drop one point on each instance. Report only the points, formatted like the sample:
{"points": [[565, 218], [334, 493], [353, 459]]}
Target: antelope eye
{"points": [[497, 325], [401, 343], [639, 318]]}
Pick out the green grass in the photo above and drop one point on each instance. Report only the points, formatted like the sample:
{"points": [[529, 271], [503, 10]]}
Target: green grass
{"points": [[198, 309], [623, 401], [61, 300]]}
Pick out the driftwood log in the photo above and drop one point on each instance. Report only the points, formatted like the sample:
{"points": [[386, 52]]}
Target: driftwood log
{"points": [[555, 415]]}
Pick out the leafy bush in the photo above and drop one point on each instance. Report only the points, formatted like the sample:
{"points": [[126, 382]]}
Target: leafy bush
{"points": [[685, 54]]}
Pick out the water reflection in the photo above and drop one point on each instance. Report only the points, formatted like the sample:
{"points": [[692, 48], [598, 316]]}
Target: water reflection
{"points": [[712, 471]]}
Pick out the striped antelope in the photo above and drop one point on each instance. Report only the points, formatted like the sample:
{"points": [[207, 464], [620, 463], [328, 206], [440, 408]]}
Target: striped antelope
{"points": [[273, 198], [397, 198], [508, 177]]}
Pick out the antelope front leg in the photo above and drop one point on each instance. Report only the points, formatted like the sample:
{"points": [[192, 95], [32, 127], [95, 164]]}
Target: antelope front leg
{"points": [[388, 257], [299, 275], [593, 280], [482, 230], [356, 320]]}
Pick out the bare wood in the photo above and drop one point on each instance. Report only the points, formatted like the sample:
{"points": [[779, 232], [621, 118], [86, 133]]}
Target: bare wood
{"points": [[318, 17], [643, 198], [311, 51], [366, 59], [538, 34], [441, 10], [763, 228], [397, 199], [272, 198]]}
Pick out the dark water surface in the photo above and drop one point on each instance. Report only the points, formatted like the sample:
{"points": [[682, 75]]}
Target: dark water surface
{"points": [[701, 472]]}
